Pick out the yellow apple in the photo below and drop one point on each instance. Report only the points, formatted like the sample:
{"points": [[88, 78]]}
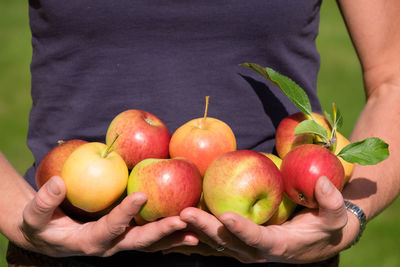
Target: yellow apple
{"points": [[95, 177], [341, 142]]}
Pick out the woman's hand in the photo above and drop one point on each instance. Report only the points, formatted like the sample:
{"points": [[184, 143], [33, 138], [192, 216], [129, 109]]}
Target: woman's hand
{"points": [[48, 230], [312, 235]]}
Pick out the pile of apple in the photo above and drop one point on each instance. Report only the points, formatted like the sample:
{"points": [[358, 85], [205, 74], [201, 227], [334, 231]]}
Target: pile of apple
{"points": [[199, 165]]}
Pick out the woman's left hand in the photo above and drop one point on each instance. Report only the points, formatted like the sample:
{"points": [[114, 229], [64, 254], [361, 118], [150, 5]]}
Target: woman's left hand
{"points": [[310, 236]]}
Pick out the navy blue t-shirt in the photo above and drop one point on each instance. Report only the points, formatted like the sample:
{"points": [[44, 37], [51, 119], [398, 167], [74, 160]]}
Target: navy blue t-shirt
{"points": [[93, 59]]}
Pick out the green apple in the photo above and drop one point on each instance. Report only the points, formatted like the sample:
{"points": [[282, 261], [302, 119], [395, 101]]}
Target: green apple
{"points": [[244, 182]]}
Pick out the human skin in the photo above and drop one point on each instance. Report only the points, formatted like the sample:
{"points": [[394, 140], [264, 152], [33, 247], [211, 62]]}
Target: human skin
{"points": [[289, 242], [35, 222], [373, 188]]}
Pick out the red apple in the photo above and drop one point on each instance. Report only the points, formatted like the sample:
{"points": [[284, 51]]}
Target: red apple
{"points": [[141, 135], [244, 182], [286, 140], [170, 185], [287, 206], [95, 177], [53, 161], [302, 167], [202, 140]]}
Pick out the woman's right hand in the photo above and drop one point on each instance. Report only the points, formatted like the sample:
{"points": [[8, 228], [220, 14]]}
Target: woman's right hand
{"points": [[49, 231]]}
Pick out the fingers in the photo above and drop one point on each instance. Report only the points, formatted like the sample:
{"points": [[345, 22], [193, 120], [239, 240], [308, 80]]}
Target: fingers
{"points": [[40, 209], [247, 231], [113, 232], [212, 231], [177, 239], [149, 237], [332, 210], [219, 232], [201, 249], [215, 234], [117, 221]]}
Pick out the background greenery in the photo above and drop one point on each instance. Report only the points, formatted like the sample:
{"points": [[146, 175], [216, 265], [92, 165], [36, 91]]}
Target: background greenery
{"points": [[339, 82]]}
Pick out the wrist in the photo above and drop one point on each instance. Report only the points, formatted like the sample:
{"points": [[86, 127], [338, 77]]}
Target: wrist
{"points": [[357, 217], [15, 233], [13, 226], [351, 233]]}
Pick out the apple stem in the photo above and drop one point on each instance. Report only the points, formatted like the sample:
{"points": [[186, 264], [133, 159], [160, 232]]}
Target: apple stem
{"points": [[203, 121], [106, 151], [60, 142], [333, 133]]}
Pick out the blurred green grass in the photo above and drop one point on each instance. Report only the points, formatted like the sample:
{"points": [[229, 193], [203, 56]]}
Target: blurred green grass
{"points": [[339, 82], [15, 54]]}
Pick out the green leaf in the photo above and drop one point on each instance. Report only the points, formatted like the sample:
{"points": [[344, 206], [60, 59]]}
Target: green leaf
{"points": [[311, 127], [292, 90], [329, 118], [369, 151]]}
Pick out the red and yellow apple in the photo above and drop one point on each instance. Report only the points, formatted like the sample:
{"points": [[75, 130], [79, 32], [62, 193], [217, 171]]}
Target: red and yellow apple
{"points": [[287, 206], [202, 140], [95, 177], [303, 166], [142, 135], [53, 161], [244, 182], [170, 185]]}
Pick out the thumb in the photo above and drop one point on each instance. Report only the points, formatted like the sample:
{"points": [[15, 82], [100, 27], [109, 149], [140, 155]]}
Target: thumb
{"points": [[332, 210], [39, 210]]}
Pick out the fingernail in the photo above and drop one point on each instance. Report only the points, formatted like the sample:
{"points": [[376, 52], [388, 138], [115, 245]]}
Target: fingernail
{"points": [[190, 240], [53, 187], [229, 222], [326, 186], [190, 219]]}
